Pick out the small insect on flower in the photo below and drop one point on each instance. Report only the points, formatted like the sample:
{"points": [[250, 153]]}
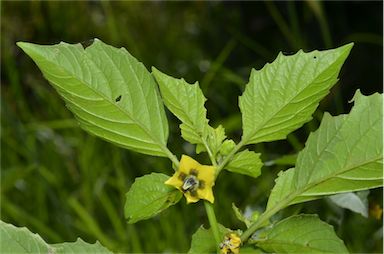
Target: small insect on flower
{"points": [[231, 244], [194, 180]]}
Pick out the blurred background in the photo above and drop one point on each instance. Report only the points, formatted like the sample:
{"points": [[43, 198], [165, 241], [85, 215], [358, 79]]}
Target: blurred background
{"points": [[63, 183]]}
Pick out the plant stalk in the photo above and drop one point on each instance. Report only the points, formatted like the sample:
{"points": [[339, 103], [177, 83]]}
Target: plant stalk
{"points": [[213, 222], [265, 217], [211, 156], [172, 157], [229, 157]]}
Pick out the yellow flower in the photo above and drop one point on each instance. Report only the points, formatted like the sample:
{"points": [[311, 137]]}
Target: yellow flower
{"points": [[231, 244], [194, 180]]}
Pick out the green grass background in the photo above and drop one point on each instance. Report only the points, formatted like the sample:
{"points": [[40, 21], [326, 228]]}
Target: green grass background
{"points": [[63, 183]]}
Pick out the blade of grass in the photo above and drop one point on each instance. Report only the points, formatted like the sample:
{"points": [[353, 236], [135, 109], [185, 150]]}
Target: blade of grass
{"points": [[89, 224], [19, 214], [217, 64], [281, 24]]}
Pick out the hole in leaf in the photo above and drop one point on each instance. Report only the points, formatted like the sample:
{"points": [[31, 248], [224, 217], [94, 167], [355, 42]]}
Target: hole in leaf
{"points": [[87, 43], [314, 57], [118, 98]]}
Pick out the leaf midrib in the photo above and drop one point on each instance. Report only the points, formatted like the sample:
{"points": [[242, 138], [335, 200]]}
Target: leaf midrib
{"points": [[247, 139], [298, 193], [181, 107], [272, 242], [332, 140], [160, 144]]}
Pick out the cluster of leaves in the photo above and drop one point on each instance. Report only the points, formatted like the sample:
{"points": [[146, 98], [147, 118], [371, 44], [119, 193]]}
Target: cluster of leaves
{"points": [[114, 97]]}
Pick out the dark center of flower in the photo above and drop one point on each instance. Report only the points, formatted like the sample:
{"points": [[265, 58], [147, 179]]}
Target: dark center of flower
{"points": [[191, 183]]}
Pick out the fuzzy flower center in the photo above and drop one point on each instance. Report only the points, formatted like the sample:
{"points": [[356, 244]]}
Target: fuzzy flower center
{"points": [[191, 183]]}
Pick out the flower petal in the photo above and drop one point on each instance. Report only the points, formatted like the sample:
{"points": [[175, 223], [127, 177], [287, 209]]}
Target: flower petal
{"points": [[190, 198], [207, 173], [175, 181], [206, 194], [187, 163]]}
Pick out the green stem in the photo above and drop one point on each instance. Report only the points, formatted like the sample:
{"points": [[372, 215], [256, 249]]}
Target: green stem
{"points": [[266, 215], [172, 157], [212, 221], [211, 157]]}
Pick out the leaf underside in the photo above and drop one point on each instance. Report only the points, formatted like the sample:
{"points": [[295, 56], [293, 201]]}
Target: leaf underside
{"points": [[149, 196], [186, 102], [343, 155], [21, 240], [282, 96], [246, 162], [203, 240], [301, 234], [111, 94]]}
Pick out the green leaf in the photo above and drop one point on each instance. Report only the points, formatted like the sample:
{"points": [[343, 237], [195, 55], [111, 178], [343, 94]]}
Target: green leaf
{"points": [[343, 155], [204, 242], [346, 147], [227, 147], [242, 217], [282, 96], [214, 140], [301, 234], [21, 240], [356, 202], [149, 196], [186, 102], [245, 162], [80, 247], [250, 250], [112, 95]]}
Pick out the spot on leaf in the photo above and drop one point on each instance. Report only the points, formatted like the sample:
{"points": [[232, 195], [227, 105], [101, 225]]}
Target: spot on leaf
{"points": [[118, 98]]}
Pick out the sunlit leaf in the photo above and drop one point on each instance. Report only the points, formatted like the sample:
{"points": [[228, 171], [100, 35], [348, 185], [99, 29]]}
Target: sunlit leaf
{"points": [[343, 155], [246, 162], [215, 138], [186, 102], [203, 240], [112, 95], [149, 196], [301, 234], [80, 247], [282, 96], [21, 240]]}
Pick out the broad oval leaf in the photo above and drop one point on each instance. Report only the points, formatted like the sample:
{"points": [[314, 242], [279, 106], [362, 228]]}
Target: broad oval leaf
{"points": [[80, 247], [348, 148], [246, 162], [343, 155], [149, 196], [282, 96], [203, 240], [21, 240], [186, 102], [301, 234], [112, 95]]}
